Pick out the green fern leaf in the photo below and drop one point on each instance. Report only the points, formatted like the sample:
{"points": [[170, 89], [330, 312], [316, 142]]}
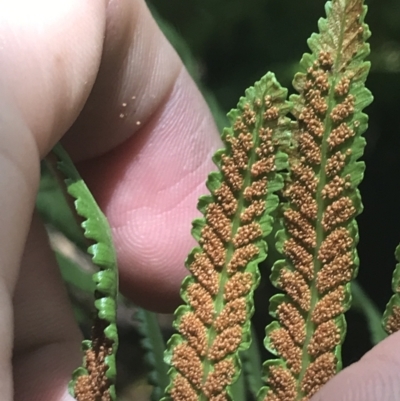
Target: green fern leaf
{"points": [[96, 378], [362, 303], [320, 235], [154, 346], [391, 317], [251, 366], [55, 206], [214, 325], [237, 390]]}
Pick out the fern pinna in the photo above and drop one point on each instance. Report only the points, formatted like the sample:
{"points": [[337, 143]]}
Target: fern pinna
{"points": [[320, 232], [391, 317], [214, 325], [95, 380]]}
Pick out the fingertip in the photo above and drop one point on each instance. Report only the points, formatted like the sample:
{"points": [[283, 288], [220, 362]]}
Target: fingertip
{"points": [[376, 377]]}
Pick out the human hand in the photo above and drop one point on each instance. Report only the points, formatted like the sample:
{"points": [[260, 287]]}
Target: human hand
{"points": [[376, 377], [101, 73]]}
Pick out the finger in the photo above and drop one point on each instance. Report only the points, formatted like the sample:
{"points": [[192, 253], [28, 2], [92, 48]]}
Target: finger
{"points": [[148, 189], [49, 57], [138, 71], [46, 347], [140, 64], [148, 186], [375, 377]]}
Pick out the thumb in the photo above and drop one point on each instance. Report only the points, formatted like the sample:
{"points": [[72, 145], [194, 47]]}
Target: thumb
{"points": [[50, 53], [376, 377], [49, 56]]}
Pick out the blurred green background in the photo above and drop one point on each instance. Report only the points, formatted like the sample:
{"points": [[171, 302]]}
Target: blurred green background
{"points": [[234, 42]]}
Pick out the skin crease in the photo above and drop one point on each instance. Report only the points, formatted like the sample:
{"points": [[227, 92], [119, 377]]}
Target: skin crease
{"points": [[67, 70]]}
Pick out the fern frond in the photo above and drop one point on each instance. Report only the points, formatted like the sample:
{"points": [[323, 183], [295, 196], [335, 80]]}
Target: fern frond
{"points": [[95, 380], [391, 317], [362, 303], [237, 390], [251, 366], [154, 347], [320, 233], [214, 325]]}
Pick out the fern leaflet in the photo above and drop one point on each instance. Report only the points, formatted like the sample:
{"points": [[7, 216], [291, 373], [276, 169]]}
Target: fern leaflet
{"points": [[391, 317], [95, 380], [320, 234], [214, 325]]}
